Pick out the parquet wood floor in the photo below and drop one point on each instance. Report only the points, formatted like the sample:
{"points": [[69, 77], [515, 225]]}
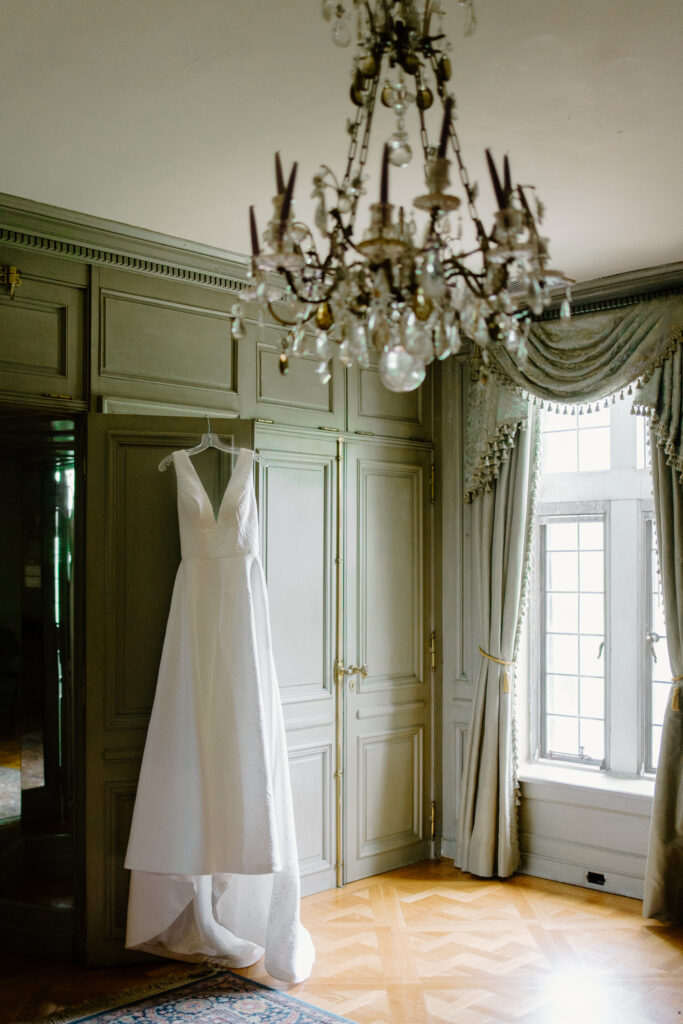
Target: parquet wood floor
{"points": [[429, 945]]}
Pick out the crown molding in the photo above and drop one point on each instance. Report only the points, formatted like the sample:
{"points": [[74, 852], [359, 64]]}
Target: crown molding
{"points": [[86, 239], [620, 290]]}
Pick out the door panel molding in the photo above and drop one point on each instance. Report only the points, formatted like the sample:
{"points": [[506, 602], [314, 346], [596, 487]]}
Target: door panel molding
{"points": [[294, 550], [394, 759], [310, 767], [374, 540], [387, 619]]}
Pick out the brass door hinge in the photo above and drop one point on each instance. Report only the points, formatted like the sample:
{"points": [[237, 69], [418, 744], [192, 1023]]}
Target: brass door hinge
{"points": [[432, 821], [432, 650], [10, 276], [432, 483]]}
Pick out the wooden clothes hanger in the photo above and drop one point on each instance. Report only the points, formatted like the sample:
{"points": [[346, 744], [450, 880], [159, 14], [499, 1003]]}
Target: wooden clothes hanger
{"points": [[209, 440]]}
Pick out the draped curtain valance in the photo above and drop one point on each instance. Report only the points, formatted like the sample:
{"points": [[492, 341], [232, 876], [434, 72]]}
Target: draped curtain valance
{"points": [[576, 362]]}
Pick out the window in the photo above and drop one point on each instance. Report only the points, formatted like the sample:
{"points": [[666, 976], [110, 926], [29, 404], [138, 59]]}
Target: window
{"points": [[576, 442], [658, 669], [597, 692], [573, 638]]}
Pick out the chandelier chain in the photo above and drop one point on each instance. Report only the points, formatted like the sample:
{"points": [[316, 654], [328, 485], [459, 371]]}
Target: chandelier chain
{"points": [[463, 173], [363, 156]]}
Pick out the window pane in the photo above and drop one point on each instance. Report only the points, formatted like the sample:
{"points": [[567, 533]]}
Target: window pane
{"points": [[601, 418], [661, 669], [562, 654], [592, 697], [656, 741], [591, 534], [594, 449], [592, 739], [660, 698], [563, 735], [561, 536], [643, 454], [552, 421], [574, 637], [592, 613], [559, 452], [562, 613], [563, 570], [592, 571], [563, 695], [591, 659], [659, 621]]}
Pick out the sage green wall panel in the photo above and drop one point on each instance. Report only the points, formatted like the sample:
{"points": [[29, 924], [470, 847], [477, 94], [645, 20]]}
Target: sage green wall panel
{"points": [[42, 329], [164, 341], [297, 397], [376, 410], [33, 337]]}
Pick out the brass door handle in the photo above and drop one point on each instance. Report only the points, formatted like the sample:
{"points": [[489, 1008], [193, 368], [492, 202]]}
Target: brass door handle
{"points": [[353, 670], [341, 670]]}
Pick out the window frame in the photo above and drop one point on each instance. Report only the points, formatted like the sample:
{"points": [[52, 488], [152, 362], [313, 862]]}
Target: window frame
{"points": [[545, 513], [624, 494], [648, 528]]}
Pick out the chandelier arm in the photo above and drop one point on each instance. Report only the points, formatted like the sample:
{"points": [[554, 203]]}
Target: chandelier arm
{"points": [[289, 323], [454, 269]]}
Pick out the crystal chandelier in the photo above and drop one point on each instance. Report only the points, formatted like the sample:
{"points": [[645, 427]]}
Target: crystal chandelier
{"points": [[409, 294]]}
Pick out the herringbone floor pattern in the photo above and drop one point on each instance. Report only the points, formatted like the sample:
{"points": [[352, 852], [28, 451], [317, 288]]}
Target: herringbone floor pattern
{"points": [[429, 945]]}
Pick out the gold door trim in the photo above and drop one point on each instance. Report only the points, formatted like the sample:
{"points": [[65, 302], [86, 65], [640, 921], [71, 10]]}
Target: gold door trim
{"points": [[339, 668]]}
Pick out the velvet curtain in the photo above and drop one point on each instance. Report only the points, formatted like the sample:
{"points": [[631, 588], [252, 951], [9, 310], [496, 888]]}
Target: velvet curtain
{"points": [[636, 350], [501, 520], [664, 875]]}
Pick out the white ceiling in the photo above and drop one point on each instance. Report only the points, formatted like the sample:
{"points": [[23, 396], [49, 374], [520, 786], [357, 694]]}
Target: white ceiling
{"points": [[166, 114]]}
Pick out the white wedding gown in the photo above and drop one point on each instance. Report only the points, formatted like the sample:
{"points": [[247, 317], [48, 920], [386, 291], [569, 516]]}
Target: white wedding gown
{"points": [[212, 848]]}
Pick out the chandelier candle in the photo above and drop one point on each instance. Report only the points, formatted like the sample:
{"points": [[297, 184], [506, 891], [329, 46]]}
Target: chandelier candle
{"points": [[385, 293]]}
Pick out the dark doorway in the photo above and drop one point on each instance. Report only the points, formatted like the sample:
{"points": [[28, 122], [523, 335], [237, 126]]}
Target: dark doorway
{"points": [[37, 502]]}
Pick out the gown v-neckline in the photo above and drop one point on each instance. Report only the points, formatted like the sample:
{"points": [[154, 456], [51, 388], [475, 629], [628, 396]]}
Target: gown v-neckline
{"points": [[215, 514]]}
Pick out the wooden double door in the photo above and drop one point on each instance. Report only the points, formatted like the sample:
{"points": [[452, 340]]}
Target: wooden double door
{"points": [[346, 546]]}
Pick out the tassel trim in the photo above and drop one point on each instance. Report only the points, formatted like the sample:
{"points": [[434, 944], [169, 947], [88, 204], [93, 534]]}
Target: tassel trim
{"points": [[499, 661]]}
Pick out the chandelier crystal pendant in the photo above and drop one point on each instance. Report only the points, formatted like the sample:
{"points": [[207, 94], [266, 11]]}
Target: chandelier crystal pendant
{"points": [[411, 298]]}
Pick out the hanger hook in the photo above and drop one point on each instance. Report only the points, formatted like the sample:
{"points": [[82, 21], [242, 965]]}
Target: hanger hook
{"points": [[208, 423]]}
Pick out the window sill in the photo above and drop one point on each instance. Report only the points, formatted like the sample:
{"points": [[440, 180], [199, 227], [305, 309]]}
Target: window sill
{"points": [[581, 786]]}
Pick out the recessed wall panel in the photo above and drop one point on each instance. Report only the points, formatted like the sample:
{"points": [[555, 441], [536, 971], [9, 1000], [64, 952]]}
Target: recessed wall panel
{"points": [[296, 511], [390, 808], [390, 580], [165, 343]]}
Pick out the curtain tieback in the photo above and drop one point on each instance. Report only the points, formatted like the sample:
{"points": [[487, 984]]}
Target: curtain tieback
{"points": [[675, 696], [499, 661]]}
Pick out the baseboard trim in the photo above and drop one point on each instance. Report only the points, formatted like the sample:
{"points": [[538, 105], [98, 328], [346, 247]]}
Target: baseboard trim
{"points": [[575, 874]]}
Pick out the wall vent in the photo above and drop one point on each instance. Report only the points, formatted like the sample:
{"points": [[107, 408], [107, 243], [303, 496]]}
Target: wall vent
{"points": [[595, 878]]}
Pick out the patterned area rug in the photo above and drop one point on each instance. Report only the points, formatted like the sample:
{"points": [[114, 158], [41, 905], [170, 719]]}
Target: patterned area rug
{"points": [[222, 998]]}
